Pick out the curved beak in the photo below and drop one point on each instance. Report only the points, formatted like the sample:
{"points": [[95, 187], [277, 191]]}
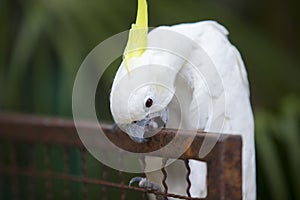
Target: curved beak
{"points": [[140, 131]]}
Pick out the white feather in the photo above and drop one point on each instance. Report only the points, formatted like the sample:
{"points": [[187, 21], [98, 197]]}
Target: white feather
{"points": [[212, 37], [192, 87]]}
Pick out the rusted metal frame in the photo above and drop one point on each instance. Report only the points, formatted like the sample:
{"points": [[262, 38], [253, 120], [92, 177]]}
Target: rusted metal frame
{"points": [[66, 171], [223, 163], [15, 183], [84, 173], [187, 177], [143, 162], [232, 169], [224, 170], [32, 129], [164, 179], [44, 130], [61, 176], [1, 179], [121, 175], [105, 171], [48, 182], [31, 166]]}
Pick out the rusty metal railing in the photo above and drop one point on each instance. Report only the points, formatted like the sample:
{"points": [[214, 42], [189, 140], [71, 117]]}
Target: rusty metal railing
{"points": [[224, 172]]}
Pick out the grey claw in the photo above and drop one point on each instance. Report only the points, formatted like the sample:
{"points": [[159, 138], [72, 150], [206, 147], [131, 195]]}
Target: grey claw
{"points": [[148, 185], [145, 183], [135, 179]]}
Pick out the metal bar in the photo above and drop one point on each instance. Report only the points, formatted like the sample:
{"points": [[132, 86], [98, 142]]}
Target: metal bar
{"points": [[223, 161], [84, 173], [186, 162], [165, 175], [31, 166], [32, 129], [143, 167], [1, 167], [144, 196], [224, 172], [121, 175], [104, 177], [13, 163], [231, 169], [61, 176], [67, 171], [48, 183]]}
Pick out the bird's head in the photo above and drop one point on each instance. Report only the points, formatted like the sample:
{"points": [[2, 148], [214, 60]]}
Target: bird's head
{"points": [[140, 91], [139, 101]]}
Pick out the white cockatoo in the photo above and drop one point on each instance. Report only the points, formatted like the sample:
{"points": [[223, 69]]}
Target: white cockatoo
{"points": [[186, 76]]}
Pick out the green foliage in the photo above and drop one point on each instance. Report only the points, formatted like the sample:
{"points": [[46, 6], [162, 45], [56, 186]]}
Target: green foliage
{"points": [[43, 44], [48, 42], [278, 149]]}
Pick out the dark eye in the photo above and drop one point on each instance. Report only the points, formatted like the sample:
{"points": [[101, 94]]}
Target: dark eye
{"points": [[149, 103]]}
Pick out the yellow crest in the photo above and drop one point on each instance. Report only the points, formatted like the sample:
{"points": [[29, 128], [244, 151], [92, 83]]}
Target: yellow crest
{"points": [[137, 39]]}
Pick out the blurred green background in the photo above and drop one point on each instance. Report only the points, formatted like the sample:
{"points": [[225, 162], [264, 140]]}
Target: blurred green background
{"points": [[44, 42]]}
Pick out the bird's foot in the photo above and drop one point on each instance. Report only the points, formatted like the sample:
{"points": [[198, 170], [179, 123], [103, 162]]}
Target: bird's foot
{"points": [[145, 183], [148, 185]]}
